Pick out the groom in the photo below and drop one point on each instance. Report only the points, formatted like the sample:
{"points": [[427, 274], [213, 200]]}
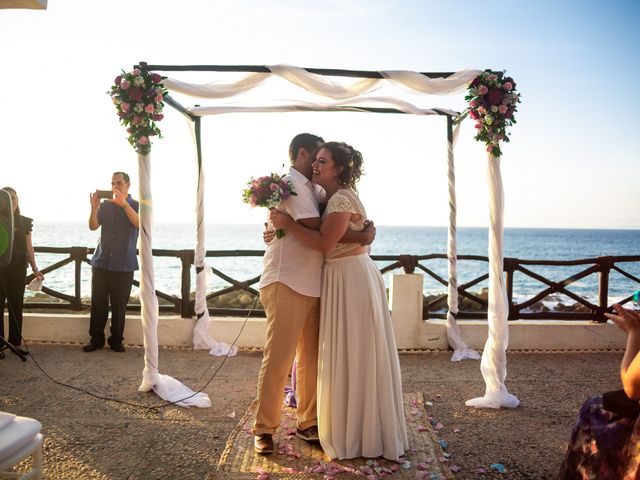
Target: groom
{"points": [[290, 293]]}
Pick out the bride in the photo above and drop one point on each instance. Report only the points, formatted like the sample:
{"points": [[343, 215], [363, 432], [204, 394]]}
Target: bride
{"points": [[360, 409]]}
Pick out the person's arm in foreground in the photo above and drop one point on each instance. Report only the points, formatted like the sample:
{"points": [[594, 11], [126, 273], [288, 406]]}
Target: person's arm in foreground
{"points": [[629, 321], [331, 231], [365, 237], [31, 256]]}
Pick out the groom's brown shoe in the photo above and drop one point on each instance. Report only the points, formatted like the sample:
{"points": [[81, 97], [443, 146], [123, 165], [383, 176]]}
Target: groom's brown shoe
{"points": [[263, 444], [308, 434]]}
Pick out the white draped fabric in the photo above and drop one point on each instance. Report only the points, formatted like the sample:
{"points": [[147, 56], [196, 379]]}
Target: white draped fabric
{"points": [[202, 340], [320, 85], [460, 349], [352, 96], [494, 358], [165, 387]]}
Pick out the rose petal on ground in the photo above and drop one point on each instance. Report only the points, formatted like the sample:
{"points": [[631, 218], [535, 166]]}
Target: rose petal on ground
{"points": [[439, 426], [455, 468]]}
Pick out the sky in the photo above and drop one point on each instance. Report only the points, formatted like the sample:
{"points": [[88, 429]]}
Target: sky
{"points": [[573, 160]]}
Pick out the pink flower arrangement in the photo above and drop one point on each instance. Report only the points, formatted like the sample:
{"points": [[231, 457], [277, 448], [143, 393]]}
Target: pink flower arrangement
{"points": [[268, 191], [492, 101], [138, 96]]}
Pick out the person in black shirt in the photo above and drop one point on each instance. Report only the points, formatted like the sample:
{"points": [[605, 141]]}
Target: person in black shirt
{"points": [[12, 277]]}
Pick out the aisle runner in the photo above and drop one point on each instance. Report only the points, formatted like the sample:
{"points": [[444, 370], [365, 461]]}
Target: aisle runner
{"points": [[296, 459]]}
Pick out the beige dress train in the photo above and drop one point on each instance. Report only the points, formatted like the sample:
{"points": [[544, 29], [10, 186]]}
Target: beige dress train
{"points": [[360, 408]]}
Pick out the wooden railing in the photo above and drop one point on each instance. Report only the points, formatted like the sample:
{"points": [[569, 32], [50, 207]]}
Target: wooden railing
{"points": [[512, 266]]}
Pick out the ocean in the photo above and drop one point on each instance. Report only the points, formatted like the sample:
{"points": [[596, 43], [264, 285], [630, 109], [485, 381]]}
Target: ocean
{"points": [[522, 243]]}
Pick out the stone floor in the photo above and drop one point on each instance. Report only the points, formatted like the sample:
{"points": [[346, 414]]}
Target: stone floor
{"points": [[88, 436]]}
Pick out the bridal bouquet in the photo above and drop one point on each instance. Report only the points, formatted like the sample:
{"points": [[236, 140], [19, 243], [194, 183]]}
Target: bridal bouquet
{"points": [[268, 192], [138, 96], [492, 101]]}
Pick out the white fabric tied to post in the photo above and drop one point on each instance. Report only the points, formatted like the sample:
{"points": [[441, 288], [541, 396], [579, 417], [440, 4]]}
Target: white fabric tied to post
{"points": [[202, 340], [460, 349], [165, 387], [494, 358]]}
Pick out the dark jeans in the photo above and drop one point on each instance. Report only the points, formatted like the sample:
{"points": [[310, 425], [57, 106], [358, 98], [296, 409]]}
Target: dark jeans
{"points": [[12, 284], [109, 287]]}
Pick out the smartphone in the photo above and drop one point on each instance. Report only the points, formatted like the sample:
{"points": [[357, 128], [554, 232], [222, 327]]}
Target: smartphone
{"points": [[105, 194]]}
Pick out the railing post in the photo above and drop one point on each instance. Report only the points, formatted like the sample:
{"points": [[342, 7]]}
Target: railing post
{"points": [[509, 267], [604, 264], [187, 257], [78, 254]]}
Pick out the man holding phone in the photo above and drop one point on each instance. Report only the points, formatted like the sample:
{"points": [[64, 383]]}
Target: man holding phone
{"points": [[114, 260]]}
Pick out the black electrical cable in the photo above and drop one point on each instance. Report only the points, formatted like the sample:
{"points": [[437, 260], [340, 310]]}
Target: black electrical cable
{"points": [[153, 408]]}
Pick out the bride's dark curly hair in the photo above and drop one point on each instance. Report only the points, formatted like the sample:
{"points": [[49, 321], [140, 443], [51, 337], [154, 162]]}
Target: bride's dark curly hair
{"points": [[349, 159]]}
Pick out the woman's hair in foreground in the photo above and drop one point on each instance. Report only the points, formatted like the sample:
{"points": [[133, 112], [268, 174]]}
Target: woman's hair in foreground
{"points": [[349, 159], [11, 190]]}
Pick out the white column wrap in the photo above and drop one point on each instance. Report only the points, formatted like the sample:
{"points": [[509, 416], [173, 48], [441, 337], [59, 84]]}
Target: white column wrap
{"points": [[165, 387], [460, 348], [202, 340], [494, 357]]}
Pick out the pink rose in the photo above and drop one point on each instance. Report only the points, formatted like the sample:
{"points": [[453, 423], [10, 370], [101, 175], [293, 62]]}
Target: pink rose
{"points": [[508, 86], [502, 109], [135, 120], [493, 77], [143, 140], [483, 90], [158, 117], [136, 72], [273, 187], [156, 78], [149, 108], [124, 106], [489, 148], [473, 104], [159, 98], [473, 114], [124, 84], [478, 125], [118, 80], [481, 110]]}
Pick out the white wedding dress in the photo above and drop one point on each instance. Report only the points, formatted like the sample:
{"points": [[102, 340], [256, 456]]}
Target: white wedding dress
{"points": [[360, 408]]}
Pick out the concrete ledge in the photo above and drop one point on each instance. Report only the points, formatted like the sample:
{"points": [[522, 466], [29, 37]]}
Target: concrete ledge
{"points": [[432, 334]]}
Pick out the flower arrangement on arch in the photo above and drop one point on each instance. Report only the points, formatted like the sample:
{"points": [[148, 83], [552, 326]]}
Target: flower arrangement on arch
{"points": [[138, 96], [493, 100], [268, 191]]}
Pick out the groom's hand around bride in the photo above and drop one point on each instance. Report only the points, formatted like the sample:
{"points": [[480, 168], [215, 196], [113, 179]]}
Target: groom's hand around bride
{"points": [[279, 219]]}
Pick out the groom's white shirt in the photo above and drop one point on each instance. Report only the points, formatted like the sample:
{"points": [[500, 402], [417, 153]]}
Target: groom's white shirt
{"points": [[287, 259]]}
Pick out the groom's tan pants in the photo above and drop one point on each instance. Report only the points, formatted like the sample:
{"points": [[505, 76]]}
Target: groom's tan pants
{"points": [[292, 329]]}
